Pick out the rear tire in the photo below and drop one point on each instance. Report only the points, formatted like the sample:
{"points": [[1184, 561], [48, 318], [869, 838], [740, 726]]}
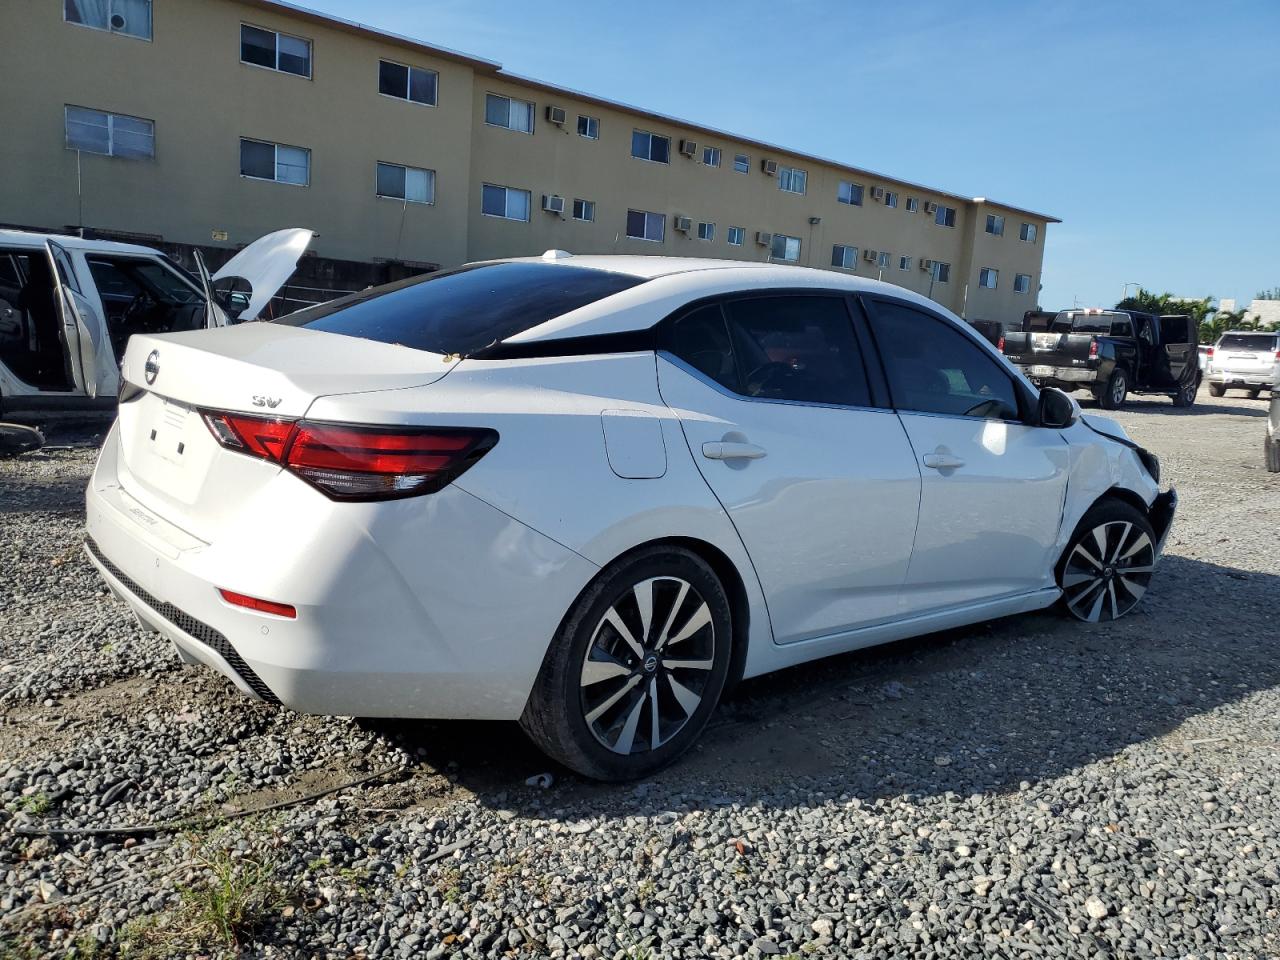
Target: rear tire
{"points": [[1105, 570], [1216, 390], [1272, 452], [612, 702], [1186, 397], [1117, 389]]}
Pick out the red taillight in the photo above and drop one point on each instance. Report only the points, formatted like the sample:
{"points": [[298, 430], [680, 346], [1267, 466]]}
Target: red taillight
{"points": [[1000, 344], [1093, 349], [261, 606], [348, 462], [1209, 353]]}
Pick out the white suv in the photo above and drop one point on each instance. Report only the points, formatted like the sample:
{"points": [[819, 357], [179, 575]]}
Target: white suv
{"points": [[1245, 360]]}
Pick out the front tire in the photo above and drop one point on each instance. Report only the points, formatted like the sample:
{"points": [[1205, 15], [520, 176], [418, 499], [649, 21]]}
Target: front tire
{"points": [[636, 668], [1116, 390], [1107, 566], [1186, 397], [1217, 390]]}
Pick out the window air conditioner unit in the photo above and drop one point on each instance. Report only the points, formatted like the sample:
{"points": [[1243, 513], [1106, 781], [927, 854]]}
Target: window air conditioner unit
{"points": [[870, 255], [930, 207], [688, 147], [684, 224], [556, 115], [770, 167], [763, 238], [877, 193], [552, 204], [926, 265]]}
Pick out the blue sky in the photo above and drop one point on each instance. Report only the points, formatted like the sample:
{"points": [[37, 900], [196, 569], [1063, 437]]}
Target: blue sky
{"points": [[1152, 129]]}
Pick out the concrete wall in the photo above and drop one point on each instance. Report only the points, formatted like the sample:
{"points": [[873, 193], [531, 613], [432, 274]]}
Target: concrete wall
{"points": [[189, 80]]}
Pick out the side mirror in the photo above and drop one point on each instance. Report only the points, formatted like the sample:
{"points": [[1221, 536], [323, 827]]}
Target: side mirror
{"points": [[1056, 410]]}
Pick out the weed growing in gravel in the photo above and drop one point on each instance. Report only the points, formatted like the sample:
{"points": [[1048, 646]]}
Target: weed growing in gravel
{"points": [[38, 804]]}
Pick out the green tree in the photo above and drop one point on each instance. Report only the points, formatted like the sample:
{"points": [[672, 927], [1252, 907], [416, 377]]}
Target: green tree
{"points": [[1166, 303]]}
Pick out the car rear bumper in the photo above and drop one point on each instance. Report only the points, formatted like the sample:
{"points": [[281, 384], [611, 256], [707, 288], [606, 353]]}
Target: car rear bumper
{"points": [[1161, 516], [1241, 380], [1052, 376], [443, 608]]}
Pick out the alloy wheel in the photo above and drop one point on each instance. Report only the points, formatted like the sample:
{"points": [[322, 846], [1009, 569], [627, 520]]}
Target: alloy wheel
{"points": [[648, 665], [1118, 389], [1108, 571]]}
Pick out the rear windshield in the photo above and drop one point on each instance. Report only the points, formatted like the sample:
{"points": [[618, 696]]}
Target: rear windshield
{"points": [[1247, 341], [1070, 321], [463, 311]]}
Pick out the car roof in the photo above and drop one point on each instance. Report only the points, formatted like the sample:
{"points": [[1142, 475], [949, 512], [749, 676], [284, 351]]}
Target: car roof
{"points": [[672, 282], [27, 238]]}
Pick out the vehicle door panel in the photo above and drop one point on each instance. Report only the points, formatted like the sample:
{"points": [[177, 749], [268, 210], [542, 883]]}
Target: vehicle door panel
{"points": [[824, 496], [1179, 348], [77, 336], [993, 488]]}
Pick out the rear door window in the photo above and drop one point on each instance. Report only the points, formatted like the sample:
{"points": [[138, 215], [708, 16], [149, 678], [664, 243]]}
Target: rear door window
{"points": [[934, 368], [463, 311]]}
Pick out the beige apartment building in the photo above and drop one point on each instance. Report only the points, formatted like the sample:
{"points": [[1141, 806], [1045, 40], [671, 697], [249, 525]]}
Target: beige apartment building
{"points": [[206, 123]]}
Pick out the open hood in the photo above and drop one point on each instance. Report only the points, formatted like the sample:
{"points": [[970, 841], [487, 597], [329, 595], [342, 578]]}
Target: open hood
{"points": [[265, 265]]}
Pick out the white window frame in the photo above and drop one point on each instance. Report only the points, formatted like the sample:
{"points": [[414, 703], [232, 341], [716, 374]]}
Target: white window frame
{"points": [[586, 206], [891, 198], [590, 120], [787, 180], [943, 212], [993, 274], [848, 256], [885, 260], [941, 272], [904, 262], [651, 135], [849, 186], [740, 233], [1019, 286], [510, 101], [111, 137], [913, 205], [409, 83], [994, 225], [275, 163], [311, 52], [506, 204], [431, 179], [649, 218], [706, 227], [741, 163], [110, 29], [714, 153], [785, 247], [1027, 232]]}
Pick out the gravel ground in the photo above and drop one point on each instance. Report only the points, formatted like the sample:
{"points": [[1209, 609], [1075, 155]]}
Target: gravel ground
{"points": [[1023, 788]]}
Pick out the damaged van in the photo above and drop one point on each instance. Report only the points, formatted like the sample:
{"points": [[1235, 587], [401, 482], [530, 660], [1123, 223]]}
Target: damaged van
{"points": [[68, 307]]}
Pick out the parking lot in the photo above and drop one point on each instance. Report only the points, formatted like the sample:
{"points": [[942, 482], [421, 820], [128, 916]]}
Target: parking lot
{"points": [[1020, 788]]}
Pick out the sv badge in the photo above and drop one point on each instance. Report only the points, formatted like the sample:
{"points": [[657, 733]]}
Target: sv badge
{"points": [[271, 402]]}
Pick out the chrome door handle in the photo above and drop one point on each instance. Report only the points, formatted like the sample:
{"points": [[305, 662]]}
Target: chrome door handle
{"points": [[728, 450], [942, 461]]}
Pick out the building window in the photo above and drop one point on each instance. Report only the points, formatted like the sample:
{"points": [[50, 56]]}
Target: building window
{"points": [[706, 231], [791, 179], [711, 156], [785, 248], [912, 204], [945, 217], [941, 271], [736, 236], [588, 127], [584, 210], [643, 225], [1022, 283], [995, 225], [988, 277], [741, 163], [650, 146], [411, 184], [850, 193], [129, 17], [507, 112], [261, 160], [890, 198], [505, 202], [407, 83], [884, 260], [110, 134], [904, 263], [844, 256], [1028, 233], [275, 51]]}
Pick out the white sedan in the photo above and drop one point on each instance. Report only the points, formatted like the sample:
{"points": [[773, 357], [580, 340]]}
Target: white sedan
{"points": [[590, 493]]}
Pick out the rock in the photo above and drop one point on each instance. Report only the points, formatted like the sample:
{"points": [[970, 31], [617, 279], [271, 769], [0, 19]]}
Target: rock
{"points": [[1096, 908]]}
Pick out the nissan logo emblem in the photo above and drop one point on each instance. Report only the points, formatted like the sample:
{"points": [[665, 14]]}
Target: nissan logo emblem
{"points": [[151, 368]]}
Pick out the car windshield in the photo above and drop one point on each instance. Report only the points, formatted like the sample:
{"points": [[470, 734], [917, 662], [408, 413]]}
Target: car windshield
{"points": [[1073, 321], [466, 310], [1247, 341]]}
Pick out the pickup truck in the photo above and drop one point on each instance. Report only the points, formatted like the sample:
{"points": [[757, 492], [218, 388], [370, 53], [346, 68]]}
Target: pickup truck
{"points": [[1110, 353]]}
